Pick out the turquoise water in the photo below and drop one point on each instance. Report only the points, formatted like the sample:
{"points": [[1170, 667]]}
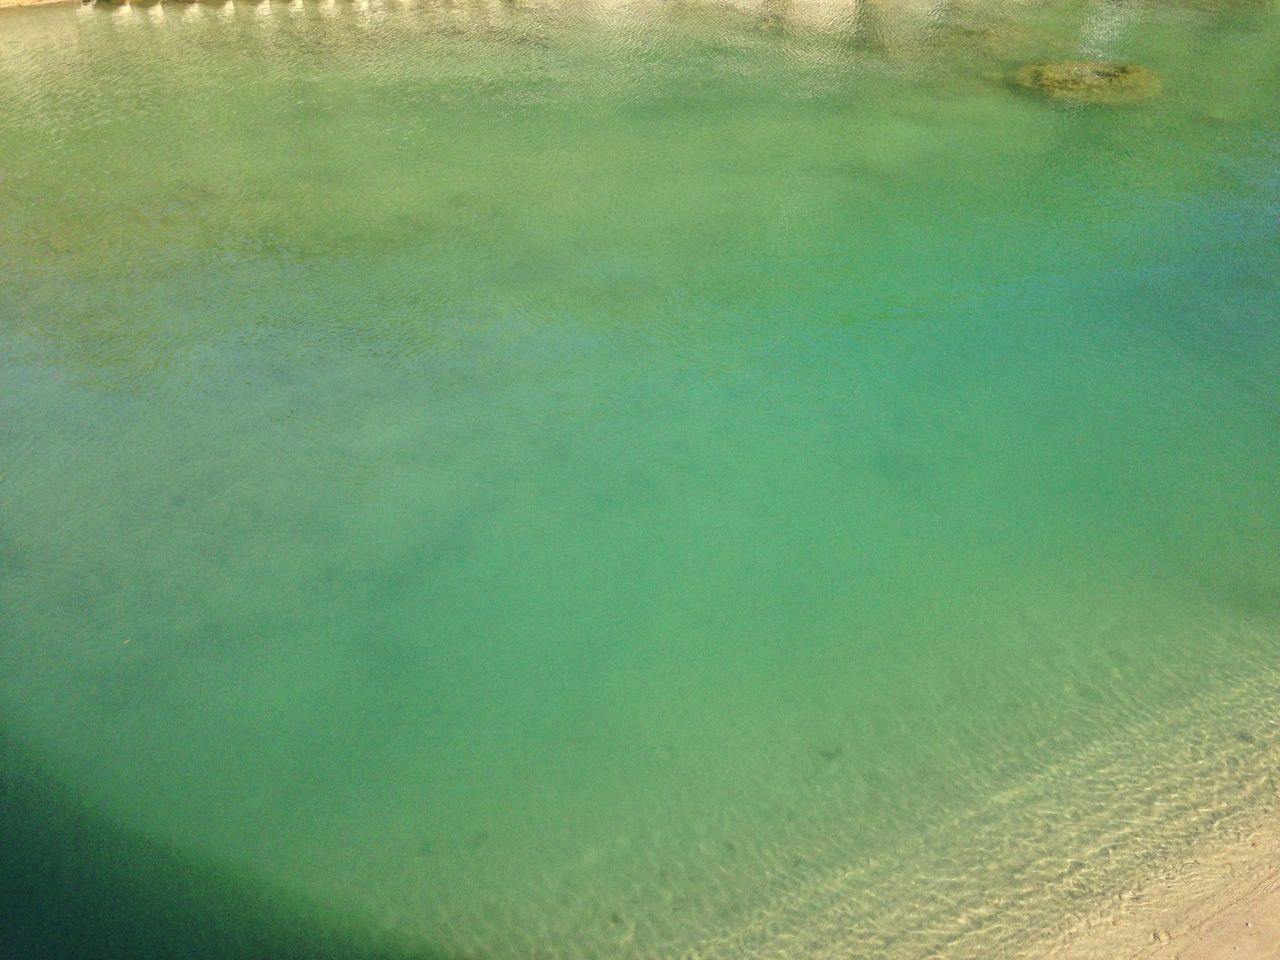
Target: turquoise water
{"points": [[648, 480]]}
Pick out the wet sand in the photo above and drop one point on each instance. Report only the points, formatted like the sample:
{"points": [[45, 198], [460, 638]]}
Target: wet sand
{"points": [[1224, 902], [1249, 931]]}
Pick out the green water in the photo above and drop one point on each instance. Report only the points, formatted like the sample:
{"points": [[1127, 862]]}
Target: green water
{"points": [[649, 480]]}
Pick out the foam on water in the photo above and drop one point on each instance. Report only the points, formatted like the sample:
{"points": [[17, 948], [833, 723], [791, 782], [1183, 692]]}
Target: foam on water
{"points": [[643, 481]]}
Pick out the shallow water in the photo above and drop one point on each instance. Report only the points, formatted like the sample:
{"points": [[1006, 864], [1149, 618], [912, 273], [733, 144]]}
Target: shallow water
{"points": [[645, 480]]}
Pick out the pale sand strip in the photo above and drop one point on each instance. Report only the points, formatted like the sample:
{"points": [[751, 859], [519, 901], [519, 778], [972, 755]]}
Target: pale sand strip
{"points": [[36, 3], [1222, 904]]}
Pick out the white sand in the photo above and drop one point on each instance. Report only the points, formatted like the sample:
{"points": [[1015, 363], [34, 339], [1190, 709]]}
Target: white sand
{"points": [[1222, 904], [34, 3]]}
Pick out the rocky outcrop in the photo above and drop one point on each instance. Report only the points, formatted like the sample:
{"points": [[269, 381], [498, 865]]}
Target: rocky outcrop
{"points": [[1089, 81]]}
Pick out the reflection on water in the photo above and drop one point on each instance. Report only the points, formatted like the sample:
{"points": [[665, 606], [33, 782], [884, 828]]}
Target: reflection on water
{"points": [[644, 480]]}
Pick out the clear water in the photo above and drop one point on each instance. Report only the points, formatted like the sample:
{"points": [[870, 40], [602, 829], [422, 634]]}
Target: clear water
{"points": [[646, 480]]}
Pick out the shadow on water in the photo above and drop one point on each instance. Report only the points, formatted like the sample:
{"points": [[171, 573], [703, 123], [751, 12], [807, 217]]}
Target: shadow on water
{"points": [[74, 885]]}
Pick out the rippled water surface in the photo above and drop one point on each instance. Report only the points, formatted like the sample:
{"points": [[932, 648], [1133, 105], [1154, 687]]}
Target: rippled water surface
{"points": [[650, 479]]}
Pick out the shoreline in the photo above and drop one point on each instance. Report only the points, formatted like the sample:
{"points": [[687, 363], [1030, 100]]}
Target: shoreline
{"points": [[22, 4], [1222, 901]]}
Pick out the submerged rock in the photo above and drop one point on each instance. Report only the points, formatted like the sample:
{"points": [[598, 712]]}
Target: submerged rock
{"points": [[1090, 81]]}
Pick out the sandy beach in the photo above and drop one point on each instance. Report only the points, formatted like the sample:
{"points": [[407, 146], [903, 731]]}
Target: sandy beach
{"points": [[1222, 902]]}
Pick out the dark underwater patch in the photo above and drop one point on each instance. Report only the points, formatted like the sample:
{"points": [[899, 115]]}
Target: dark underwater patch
{"points": [[73, 885]]}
